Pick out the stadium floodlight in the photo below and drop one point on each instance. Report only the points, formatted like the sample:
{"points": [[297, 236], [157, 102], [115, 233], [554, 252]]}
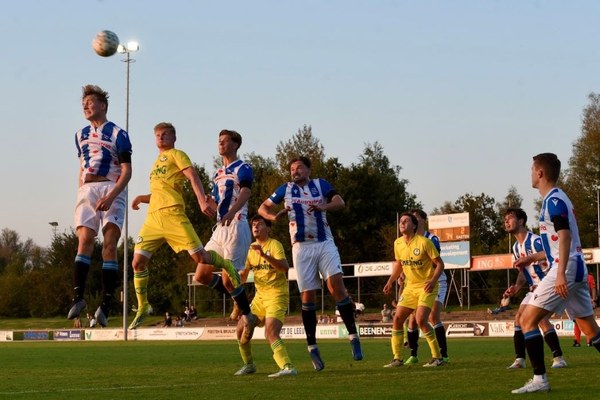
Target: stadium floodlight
{"points": [[127, 49]]}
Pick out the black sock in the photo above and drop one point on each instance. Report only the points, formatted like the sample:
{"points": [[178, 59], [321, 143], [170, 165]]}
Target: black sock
{"points": [[519, 341], [217, 284], [80, 273], [534, 343], [440, 335], [239, 296], [413, 341], [552, 341], [110, 278], [309, 320], [347, 313]]}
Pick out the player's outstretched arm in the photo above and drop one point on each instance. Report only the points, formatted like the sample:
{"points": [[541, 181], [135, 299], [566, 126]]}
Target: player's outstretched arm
{"points": [[198, 188]]}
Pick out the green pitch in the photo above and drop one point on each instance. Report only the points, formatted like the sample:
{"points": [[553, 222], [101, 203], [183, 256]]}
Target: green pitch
{"points": [[204, 370]]}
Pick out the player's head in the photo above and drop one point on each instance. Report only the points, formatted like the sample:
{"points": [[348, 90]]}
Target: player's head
{"points": [[408, 223], [261, 227], [514, 219], [229, 142], [300, 169], [94, 101], [165, 135], [547, 166], [420, 215]]}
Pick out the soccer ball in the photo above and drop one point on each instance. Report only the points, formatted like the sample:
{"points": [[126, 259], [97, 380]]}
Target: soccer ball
{"points": [[105, 43]]}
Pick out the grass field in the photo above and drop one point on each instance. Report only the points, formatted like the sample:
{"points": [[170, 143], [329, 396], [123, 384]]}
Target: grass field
{"points": [[204, 370]]}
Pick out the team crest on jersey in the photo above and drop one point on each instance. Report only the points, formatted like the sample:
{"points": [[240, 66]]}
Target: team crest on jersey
{"points": [[139, 239], [417, 252], [163, 159]]}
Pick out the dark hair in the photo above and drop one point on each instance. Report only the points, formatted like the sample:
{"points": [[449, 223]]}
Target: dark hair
{"points": [[302, 159], [518, 212], [550, 164], [412, 218], [233, 135], [259, 217], [422, 214]]}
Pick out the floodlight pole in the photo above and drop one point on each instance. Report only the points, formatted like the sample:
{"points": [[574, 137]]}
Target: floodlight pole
{"points": [[126, 49]]}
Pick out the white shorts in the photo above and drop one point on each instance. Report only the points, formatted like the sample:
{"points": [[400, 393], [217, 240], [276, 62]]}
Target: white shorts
{"points": [[526, 299], [85, 209], [231, 242], [442, 291], [578, 303], [313, 258]]}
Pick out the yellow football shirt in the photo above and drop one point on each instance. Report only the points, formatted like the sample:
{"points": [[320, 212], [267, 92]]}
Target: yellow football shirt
{"points": [[266, 278], [416, 257], [167, 179]]}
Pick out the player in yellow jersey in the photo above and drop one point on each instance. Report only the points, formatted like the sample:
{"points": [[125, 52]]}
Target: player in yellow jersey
{"points": [[419, 260], [166, 220], [266, 259]]}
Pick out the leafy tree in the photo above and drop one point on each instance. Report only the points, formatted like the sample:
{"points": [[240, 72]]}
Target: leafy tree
{"points": [[303, 143], [582, 180]]}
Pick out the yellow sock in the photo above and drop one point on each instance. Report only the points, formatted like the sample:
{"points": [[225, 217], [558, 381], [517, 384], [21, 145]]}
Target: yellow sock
{"points": [[433, 344], [246, 353], [397, 336], [280, 354], [140, 282]]}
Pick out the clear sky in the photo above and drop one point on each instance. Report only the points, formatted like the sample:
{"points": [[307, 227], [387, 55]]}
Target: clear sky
{"points": [[461, 94]]}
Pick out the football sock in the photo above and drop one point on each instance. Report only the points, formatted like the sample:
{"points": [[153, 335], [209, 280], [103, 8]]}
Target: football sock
{"points": [[220, 263], [552, 341], [397, 338], [534, 343], [413, 340], [217, 284], [347, 313], [440, 335], [433, 344], [239, 296], [576, 332], [519, 342], [140, 282], [280, 354], [109, 283], [80, 272], [246, 352], [595, 341], [309, 320]]}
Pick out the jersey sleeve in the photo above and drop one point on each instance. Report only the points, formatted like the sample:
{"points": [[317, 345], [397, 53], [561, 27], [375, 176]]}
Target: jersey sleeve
{"points": [[327, 190], [123, 143], [537, 244], [436, 242], [277, 251], [182, 160], [430, 249], [278, 194], [246, 176], [558, 212]]}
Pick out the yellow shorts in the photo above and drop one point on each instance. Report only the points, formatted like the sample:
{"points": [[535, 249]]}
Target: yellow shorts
{"points": [[270, 306], [415, 296], [169, 225]]}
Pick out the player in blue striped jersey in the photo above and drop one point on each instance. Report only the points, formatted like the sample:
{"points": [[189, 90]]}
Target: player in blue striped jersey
{"points": [[231, 238], [306, 202], [104, 152], [565, 284], [528, 243]]}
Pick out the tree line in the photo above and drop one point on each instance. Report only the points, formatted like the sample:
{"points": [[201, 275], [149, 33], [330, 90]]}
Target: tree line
{"points": [[36, 282]]}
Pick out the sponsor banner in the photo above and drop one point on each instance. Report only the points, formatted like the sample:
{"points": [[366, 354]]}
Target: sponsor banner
{"points": [[375, 330], [72, 334], [592, 256], [36, 335], [501, 329], [456, 255], [6, 336], [448, 221], [104, 334], [466, 329], [326, 331], [492, 262], [219, 333], [373, 269]]}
